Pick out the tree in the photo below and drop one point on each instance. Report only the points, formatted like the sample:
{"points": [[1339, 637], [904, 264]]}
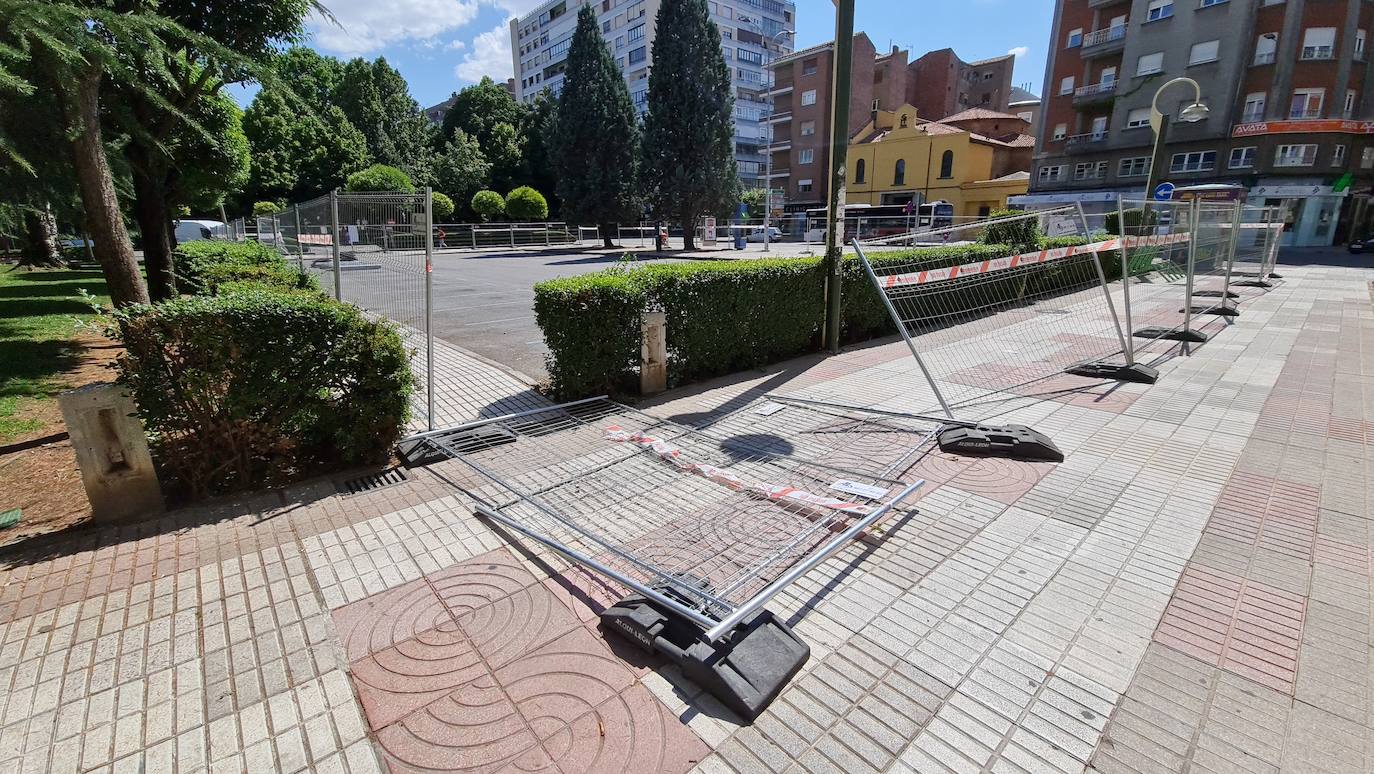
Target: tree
{"points": [[461, 169], [525, 203], [380, 177], [688, 144], [261, 209], [441, 207], [756, 199], [541, 155], [597, 137], [208, 166], [299, 155], [477, 109], [506, 152], [488, 204]]}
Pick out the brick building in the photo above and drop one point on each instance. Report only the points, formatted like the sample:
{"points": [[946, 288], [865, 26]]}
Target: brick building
{"points": [[938, 84], [1287, 84]]}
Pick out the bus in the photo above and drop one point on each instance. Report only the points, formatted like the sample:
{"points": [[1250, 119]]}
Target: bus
{"points": [[867, 221]]}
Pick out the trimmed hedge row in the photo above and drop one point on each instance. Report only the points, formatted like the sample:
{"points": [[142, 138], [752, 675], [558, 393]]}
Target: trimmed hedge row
{"points": [[725, 316], [203, 266]]}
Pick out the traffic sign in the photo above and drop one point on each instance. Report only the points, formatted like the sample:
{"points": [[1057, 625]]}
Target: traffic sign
{"points": [[1164, 192]]}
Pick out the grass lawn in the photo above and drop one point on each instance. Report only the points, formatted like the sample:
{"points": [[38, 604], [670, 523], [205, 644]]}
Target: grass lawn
{"points": [[39, 314]]}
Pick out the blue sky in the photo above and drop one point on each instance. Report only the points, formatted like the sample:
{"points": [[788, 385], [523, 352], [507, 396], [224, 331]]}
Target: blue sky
{"points": [[442, 45]]}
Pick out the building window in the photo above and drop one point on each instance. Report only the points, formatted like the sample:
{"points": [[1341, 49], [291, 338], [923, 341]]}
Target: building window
{"points": [[947, 165], [1367, 158], [1338, 156], [806, 156], [808, 67], [1137, 118], [1266, 48], [636, 55], [1307, 103], [1075, 38], [808, 128], [902, 122], [1348, 109], [899, 172], [1295, 156], [1210, 3], [1254, 108], [1149, 64], [1159, 9], [752, 57], [804, 186], [1060, 132], [1051, 173], [1242, 158], [1090, 170], [809, 97], [1135, 166], [1066, 86], [1204, 52], [859, 171], [1197, 161], [1360, 36], [636, 33], [1319, 43]]}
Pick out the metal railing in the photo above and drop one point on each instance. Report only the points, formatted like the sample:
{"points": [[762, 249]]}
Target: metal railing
{"points": [[1105, 35], [1095, 89]]}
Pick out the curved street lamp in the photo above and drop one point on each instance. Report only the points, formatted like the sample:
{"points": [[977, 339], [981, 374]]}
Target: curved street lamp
{"points": [[1159, 123], [768, 147]]}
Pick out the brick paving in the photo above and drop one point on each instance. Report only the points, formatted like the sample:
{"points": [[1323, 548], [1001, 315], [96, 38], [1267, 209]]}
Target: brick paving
{"points": [[1189, 591]]}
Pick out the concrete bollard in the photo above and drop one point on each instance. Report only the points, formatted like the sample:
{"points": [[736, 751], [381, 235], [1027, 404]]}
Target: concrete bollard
{"points": [[653, 353], [112, 453]]}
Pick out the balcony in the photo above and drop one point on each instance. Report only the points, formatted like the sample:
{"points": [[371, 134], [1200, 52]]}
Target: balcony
{"points": [[780, 145], [780, 88], [1109, 40], [1264, 58], [1317, 53], [1103, 3], [1082, 143], [777, 173], [779, 117], [1093, 93], [1304, 115]]}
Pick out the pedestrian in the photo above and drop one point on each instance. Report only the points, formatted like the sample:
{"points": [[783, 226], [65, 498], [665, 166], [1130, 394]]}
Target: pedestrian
{"points": [[441, 239]]}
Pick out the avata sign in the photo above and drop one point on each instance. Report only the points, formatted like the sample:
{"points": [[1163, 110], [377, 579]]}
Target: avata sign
{"points": [[1303, 127]]}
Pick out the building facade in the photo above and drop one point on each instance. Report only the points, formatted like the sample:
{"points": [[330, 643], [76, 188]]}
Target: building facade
{"points": [[753, 33], [1287, 85], [885, 81]]}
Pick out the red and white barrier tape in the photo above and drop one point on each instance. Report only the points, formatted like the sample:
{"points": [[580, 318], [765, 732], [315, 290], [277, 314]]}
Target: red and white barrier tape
{"points": [[787, 494], [1024, 259]]}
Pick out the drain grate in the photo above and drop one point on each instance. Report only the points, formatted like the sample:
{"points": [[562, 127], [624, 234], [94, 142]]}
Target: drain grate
{"points": [[374, 481]]}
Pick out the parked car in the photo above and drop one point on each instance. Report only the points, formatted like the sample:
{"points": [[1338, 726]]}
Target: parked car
{"points": [[774, 234], [1361, 245], [194, 230]]}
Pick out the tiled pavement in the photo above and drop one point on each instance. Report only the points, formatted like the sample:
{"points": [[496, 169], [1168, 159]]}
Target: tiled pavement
{"points": [[1189, 590]]}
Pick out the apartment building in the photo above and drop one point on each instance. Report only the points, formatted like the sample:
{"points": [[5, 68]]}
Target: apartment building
{"points": [[936, 85], [1287, 84], [753, 33]]}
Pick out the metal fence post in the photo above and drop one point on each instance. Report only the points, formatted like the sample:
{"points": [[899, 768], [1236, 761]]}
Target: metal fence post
{"points": [[429, 306], [1107, 291], [1124, 236], [1231, 254], [1195, 212], [300, 246], [334, 222]]}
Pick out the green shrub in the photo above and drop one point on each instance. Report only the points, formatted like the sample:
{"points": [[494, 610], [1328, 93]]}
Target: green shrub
{"points": [[488, 204], [441, 207], [256, 386], [1021, 234], [266, 208], [379, 177], [525, 203], [203, 266], [1135, 219], [591, 326], [863, 314]]}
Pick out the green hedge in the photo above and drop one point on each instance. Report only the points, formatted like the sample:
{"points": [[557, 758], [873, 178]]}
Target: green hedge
{"points": [[203, 266], [259, 386]]}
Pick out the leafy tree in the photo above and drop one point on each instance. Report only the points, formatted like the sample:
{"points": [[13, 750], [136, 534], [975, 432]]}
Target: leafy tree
{"points": [[380, 177], [756, 199], [461, 169], [688, 145], [312, 76], [376, 99], [266, 208], [597, 136], [488, 204], [477, 110], [506, 152], [208, 166], [525, 203], [441, 207], [296, 155], [541, 156]]}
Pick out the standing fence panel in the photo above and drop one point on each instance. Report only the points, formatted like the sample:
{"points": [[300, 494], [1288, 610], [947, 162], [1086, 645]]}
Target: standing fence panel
{"points": [[314, 225], [1158, 256], [1257, 247]]}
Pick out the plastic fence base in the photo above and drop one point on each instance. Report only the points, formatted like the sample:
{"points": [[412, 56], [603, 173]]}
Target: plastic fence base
{"points": [[1215, 293], [1221, 310], [1118, 372], [1171, 334], [1016, 442]]}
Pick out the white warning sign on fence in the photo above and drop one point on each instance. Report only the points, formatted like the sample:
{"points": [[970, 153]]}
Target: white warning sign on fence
{"points": [[1062, 225]]}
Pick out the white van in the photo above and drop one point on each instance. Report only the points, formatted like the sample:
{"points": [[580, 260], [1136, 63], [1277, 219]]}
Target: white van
{"points": [[193, 230]]}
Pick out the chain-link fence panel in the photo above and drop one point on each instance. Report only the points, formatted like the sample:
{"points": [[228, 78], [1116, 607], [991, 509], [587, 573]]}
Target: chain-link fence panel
{"points": [[313, 222], [1157, 259], [1257, 247], [1218, 228]]}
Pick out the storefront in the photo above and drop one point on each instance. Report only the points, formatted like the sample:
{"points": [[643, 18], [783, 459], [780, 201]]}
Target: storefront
{"points": [[1313, 211], [1094, 202]]}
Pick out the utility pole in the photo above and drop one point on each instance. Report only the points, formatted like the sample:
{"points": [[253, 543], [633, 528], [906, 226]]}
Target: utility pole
{"points": [[839, 148]]}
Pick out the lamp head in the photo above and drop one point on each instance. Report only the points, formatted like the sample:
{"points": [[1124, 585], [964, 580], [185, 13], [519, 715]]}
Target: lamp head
{"points": [[1194, 113]]}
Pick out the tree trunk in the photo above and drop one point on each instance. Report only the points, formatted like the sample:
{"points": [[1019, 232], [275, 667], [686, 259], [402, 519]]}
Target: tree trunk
{"points": [[40, 239], [112, 247], [607, 232], [151, 211], [689, 236]]}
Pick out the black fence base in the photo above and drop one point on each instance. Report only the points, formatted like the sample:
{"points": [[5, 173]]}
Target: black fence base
{"points": [[1171, 334], [427, 450], [745, 670], [1220, 310], [1016, 442], [1118, 372], [1253, 283], [1214, 294], [1275, 275]]}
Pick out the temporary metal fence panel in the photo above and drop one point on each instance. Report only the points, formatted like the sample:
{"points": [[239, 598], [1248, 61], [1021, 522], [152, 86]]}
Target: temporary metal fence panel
{"points": [[476, 236], [996, 329], [1257, 247], [1160, 242], [1216, 236], [313, 224], [269, 232]]}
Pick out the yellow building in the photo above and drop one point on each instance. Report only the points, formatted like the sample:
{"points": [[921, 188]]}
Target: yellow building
{"points": [[896, 158]]}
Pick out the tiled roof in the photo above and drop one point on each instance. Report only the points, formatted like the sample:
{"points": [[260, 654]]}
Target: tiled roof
{"points": [[977, 113]]}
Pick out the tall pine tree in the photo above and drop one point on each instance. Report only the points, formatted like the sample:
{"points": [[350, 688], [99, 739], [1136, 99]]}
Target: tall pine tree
{"points": [[689, 160], [597, 139]]}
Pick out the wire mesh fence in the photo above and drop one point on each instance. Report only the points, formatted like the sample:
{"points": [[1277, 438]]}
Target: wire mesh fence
{"points": [[1157, 258], [1218, 227], [475, 236], [1257, 247], [313, 224], [1001, 327]]}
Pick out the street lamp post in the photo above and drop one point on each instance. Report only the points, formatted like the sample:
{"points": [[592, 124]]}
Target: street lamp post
{"points": [[1159, 122], [768, 146]]}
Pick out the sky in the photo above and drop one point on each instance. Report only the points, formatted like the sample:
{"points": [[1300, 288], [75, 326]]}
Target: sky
{"points": [[442, 45]]}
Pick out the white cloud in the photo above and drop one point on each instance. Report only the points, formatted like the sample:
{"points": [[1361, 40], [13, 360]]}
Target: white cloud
{"points": [[1019, 51], [490, 55], [456, 44], [370, 25]]}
